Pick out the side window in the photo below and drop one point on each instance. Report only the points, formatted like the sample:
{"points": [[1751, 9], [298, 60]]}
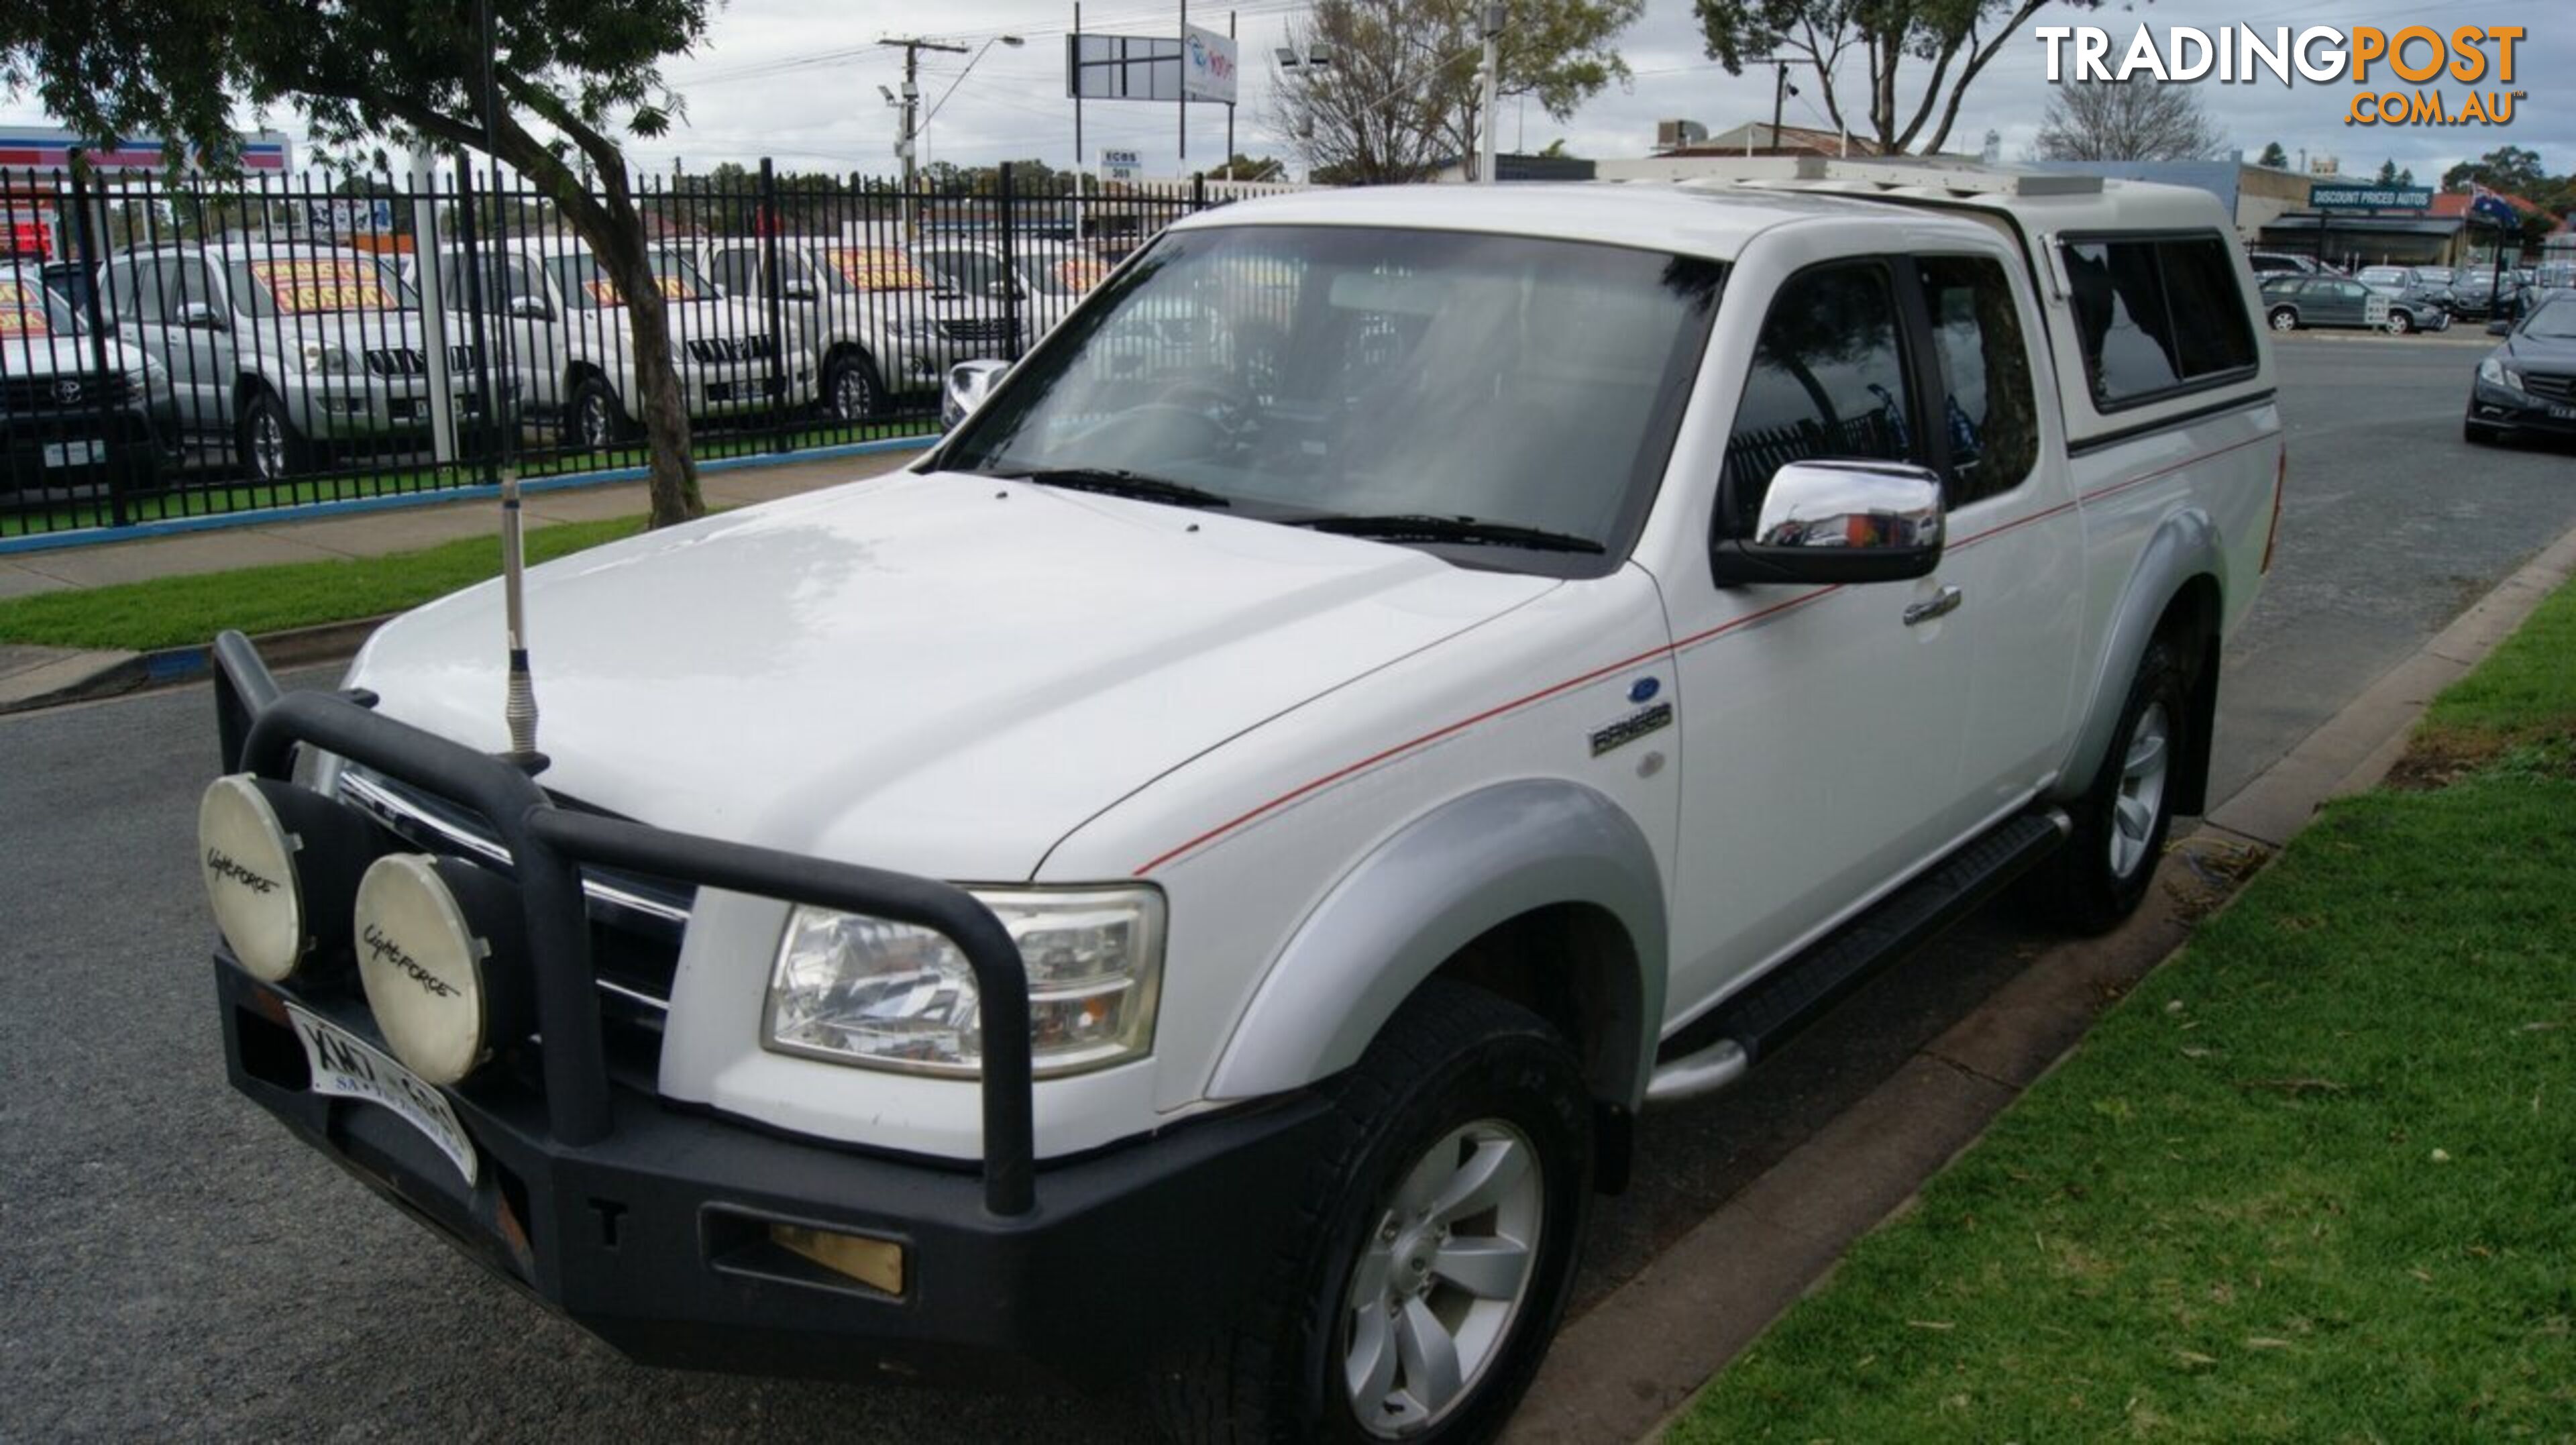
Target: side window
{"points": [[1828, 382], [2160, 315], [1987, 407]]}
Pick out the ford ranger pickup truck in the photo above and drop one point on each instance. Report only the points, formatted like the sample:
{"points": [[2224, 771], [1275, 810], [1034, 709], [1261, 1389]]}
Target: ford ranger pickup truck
{"points": [[1191, 882]]}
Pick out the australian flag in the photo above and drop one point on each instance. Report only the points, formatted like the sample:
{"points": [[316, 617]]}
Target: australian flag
{"points": [[2495, 210]]}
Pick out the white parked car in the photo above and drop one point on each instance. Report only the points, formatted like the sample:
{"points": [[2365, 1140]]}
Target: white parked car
{"points": [[879, 329], [569, 338], [1316, 811]]}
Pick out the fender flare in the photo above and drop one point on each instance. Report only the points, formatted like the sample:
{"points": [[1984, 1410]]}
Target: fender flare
{"points": [[2185, 545], [1470, 865]]}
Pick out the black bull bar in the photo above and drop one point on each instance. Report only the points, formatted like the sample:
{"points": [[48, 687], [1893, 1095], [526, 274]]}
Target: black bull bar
{"points": [[260, 727]]}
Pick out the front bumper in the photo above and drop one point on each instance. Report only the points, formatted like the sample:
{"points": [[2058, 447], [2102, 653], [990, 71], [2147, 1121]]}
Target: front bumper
{"points": [[2519, 411], [367, 408], [725, 390], [650, 1224], [656, 1237]]}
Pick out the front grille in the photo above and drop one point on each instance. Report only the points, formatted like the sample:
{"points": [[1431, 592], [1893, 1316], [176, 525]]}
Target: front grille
{"points": [[2556, 388], [70, 392], [413, 361], [636, 922], [720, 349], [977, 329]]}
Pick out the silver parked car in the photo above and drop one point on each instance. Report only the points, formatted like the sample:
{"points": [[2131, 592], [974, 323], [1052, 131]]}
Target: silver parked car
{"points": [[282, 347]]}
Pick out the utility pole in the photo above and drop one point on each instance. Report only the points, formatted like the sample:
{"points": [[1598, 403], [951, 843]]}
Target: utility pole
{"points": [[1496, 15], [912, 46]]}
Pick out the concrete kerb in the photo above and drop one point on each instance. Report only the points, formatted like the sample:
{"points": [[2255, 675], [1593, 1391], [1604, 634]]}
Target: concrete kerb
{"points": [[1625, 1370]]}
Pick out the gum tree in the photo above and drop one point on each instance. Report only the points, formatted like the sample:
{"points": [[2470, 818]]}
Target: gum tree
{"points": [[572, 74]]}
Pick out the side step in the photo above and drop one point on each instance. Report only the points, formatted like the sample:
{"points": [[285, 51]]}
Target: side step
{"points": [[1715, 1049]]}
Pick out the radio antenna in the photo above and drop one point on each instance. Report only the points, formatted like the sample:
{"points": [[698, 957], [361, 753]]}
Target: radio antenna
{"points": [[501, 414]]}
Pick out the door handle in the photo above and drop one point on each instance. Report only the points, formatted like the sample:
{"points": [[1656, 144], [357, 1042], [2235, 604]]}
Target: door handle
{"points": [[1942, 603]]}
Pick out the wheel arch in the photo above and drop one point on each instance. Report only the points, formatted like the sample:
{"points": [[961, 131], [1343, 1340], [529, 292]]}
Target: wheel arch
{"points": [[2178, 588], [1490, 888]]}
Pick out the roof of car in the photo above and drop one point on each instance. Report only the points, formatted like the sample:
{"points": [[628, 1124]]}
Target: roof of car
{"points": [[1646, 214]]}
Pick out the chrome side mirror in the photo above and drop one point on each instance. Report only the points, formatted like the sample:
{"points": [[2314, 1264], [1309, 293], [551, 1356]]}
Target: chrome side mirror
{"points": [[531, 308], [969, 382], [198, 316], [1840, 521]]}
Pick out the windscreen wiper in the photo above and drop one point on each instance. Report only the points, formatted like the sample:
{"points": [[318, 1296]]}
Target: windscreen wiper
{"points": [[1425, 527], [1118, 482]]}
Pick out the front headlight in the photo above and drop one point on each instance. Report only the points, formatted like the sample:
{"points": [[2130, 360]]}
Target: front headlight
{"points": [[2494, 372], [860, 990], [327, 356]]}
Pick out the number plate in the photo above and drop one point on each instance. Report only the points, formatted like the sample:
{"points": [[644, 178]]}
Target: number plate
{"points": [[348, 1067], [2562, 413], [75, 454]]}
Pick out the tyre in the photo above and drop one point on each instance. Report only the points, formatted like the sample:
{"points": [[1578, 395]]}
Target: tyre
{"points": [[272, 450], [2400, 324], [2478, 433], [2101, 873], [2284, 319], [851, 390], [594, 418], [1429, 1270]]}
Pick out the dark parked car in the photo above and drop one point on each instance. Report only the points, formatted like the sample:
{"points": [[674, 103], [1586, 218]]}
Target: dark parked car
{"points": [[2527, 386], [2428, 284], [2472, 293], [76, 410], [2293, 302]]}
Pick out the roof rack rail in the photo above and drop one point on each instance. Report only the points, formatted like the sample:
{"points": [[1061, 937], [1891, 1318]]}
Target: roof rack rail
{"points": [[1963, 178]]}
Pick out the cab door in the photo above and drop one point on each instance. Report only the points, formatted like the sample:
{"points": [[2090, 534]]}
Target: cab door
{"points": [[1821, 724]]}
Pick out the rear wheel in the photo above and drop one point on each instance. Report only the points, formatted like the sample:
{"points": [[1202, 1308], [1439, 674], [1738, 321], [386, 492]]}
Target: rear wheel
{"points": [[2284, 319], [2101, 874], [1420, 1291], [851, 391]]}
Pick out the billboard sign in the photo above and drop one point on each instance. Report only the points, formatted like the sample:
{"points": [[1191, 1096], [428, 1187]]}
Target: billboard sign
{"points": [[46, 148], [2370, 198], [1208, 69], [1122, 67], [349, 216], [1120, 165]]}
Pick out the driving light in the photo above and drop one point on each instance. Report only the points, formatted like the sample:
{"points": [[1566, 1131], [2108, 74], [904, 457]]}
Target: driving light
{"points": [[437, 940], [860, 990], [280, 863], [326, 356]]}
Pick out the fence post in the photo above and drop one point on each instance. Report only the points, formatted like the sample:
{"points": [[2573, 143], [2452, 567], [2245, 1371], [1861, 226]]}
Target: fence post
{"points": [[85, 239], [476, 297], [1198, 190], [767, 225], [1010, 266]]}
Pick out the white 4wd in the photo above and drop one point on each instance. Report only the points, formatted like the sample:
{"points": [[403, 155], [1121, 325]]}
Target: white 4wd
{"points": [[1592, 628], [876, 327]]}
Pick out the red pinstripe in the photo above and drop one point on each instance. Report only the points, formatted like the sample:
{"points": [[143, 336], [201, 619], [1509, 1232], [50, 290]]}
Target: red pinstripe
{"points": [[1649, 655]]}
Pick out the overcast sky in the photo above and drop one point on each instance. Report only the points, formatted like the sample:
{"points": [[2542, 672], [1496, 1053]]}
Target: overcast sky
{"points": [[797, 80]]}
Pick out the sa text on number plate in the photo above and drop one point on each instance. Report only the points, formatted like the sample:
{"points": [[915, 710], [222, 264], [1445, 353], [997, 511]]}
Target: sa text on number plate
{"points": [[348, 1067]]}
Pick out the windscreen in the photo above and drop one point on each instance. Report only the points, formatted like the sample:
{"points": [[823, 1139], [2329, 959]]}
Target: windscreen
{"points": [[588, 285], [1310, 373], [28, 310], [316, 286]]}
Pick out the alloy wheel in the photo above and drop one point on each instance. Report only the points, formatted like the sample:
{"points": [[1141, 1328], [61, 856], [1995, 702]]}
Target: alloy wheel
{"points": [[1441, 1278], [2142, 789], [852, 396], [267, 445]]}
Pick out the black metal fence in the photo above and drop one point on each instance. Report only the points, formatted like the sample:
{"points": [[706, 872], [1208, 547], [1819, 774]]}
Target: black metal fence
{"points": [[183, 348]]}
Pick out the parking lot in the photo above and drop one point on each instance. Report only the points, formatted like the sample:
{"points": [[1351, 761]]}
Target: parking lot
{"points": [[174, 1265]]}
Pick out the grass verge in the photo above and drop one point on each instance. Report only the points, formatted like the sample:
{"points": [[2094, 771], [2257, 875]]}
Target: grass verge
{"points": [[2312, 1182], [179, 611]]}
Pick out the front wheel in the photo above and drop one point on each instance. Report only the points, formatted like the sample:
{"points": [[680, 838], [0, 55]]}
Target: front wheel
{"points": [[1422, 1287], [851, 391], [2100, 875], [272, 450], [2284, 319], [594, 419], [2481, 435], [2399, 323]]}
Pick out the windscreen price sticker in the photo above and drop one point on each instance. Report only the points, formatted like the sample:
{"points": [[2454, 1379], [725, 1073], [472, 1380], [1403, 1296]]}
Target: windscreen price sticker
{"points": [[604, 292], [877, 270], [301, 288], [22, 313]]}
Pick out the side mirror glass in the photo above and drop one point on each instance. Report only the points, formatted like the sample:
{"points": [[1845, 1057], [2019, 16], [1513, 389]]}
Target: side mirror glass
{"points": [[531, 308], [969, 383], [1840, 521], [198, 316], [796, 290]]}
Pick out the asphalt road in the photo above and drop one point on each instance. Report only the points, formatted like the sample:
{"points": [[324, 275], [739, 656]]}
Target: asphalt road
{"points": [[170, 1265]]}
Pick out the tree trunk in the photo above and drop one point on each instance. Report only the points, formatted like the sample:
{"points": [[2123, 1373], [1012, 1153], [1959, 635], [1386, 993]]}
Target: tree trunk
{"points": [[658, 401]]}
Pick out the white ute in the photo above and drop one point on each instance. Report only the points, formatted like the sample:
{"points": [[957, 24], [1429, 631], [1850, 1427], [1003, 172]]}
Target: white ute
{"points": [[1192, 880]]}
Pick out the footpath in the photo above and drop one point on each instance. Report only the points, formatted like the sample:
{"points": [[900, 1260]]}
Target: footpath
{"points": [[34, 676]]}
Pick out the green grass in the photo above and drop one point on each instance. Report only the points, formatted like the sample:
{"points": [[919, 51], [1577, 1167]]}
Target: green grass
{"points": [[190, 500], [178, 611], [2314, 1181]]}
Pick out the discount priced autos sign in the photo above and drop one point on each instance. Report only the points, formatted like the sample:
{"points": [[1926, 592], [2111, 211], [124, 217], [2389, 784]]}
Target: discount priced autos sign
{"points": [[2408, 75]]}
